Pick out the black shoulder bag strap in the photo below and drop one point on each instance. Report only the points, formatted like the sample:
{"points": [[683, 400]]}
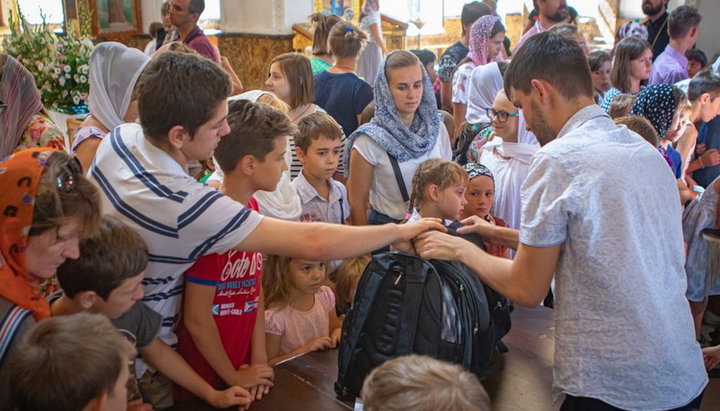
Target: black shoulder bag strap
{"points": [[399, 178], [193, 36]]}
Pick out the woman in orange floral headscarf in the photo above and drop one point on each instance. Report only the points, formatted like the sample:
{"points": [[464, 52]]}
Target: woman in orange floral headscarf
{"points": [[46, 206]]}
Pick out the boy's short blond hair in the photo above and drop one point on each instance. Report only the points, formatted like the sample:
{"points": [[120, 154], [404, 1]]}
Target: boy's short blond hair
{"points": [[421, 383], [438, 172], [345, 276], [65, 362]]}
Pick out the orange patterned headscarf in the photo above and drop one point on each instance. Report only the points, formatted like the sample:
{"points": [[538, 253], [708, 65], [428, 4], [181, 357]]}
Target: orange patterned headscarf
{"points": [[19, 179]]}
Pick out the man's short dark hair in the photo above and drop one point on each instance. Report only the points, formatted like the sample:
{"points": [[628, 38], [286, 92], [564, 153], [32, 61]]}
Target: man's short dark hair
{"points": [[697, 55], [550, 57], [197, 6], [706, 81], [114, 254], [681, 20], [426, 56], [179, 89], [253, 130], [473, 11]]}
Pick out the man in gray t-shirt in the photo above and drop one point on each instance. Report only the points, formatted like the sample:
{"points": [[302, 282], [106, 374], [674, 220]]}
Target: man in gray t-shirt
{"points": [[600, 211]]}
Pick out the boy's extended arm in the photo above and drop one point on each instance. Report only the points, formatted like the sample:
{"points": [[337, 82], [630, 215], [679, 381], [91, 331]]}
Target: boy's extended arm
{"points": [[197, 316], [322, 241], [258, 353], [200, 323], [164, 359]]}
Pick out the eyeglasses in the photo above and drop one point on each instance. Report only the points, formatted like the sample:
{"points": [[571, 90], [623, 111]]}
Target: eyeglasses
{"points": [[67, 177], [501, 116]]}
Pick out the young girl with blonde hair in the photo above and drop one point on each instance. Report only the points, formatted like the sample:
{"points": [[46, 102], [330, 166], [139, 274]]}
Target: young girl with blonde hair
{"points": [[438, 191], [299, 308]]}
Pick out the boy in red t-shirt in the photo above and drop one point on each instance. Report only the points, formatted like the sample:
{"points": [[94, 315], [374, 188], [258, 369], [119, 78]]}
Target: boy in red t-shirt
{"points": [[218, 334]]}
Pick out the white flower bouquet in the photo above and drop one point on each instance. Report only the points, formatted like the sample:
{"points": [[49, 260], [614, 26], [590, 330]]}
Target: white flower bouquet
{"points": [[59, 64]]}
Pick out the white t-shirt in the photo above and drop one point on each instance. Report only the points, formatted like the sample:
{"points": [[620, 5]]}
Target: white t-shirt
{"points": [[623, 329], [461, 82], [179, 218], [385, 194]]}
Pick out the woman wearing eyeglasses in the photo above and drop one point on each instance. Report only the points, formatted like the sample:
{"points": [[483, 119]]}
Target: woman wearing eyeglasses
{"points": [[46, 206], [508, 156], [24, 123]]}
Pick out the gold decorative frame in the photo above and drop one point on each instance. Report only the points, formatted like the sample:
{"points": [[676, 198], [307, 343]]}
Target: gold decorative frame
{"points": [[352, 7]]}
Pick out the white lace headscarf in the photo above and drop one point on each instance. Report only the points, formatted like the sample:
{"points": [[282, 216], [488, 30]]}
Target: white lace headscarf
{"points": [[485, 82], [114, 70]]}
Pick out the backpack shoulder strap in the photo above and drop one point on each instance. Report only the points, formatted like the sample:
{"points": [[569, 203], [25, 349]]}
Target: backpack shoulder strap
{"points": [[399, 178], [9, 328], [193, 36]]}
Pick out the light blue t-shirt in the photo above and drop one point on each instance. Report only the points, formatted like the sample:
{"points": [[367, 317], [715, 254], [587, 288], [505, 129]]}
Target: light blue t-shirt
{"points": [[623, 329]]}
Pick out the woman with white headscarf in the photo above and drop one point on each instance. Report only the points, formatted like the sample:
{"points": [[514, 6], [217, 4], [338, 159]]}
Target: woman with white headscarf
{"points": [[24, 123], [114, 70], [485, 43], [485, 82], [370, 59], [508, 156], [283, 203]]}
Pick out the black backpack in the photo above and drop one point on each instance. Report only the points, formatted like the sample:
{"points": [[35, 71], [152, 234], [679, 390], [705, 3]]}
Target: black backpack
{"points": [[407, 305]]}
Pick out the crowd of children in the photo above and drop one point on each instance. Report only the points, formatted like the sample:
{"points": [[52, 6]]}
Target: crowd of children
{"points": [[210, 290]]}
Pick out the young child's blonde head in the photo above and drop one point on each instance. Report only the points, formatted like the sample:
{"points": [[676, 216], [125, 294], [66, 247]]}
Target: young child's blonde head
{"points": [[279, 275], [437, 172], [276, 282], [346, 277], [421, 383]]}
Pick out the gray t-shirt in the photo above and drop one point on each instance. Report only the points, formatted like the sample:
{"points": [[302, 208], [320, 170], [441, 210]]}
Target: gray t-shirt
{"points": [[623, 329]]}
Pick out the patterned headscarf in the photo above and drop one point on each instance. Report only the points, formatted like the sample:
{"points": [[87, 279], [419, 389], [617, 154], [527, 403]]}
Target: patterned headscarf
{"points": [[18, 91], [19, 179], [393, 135], [631, 28], [477, 170], [479, 39], [657, 104]]}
